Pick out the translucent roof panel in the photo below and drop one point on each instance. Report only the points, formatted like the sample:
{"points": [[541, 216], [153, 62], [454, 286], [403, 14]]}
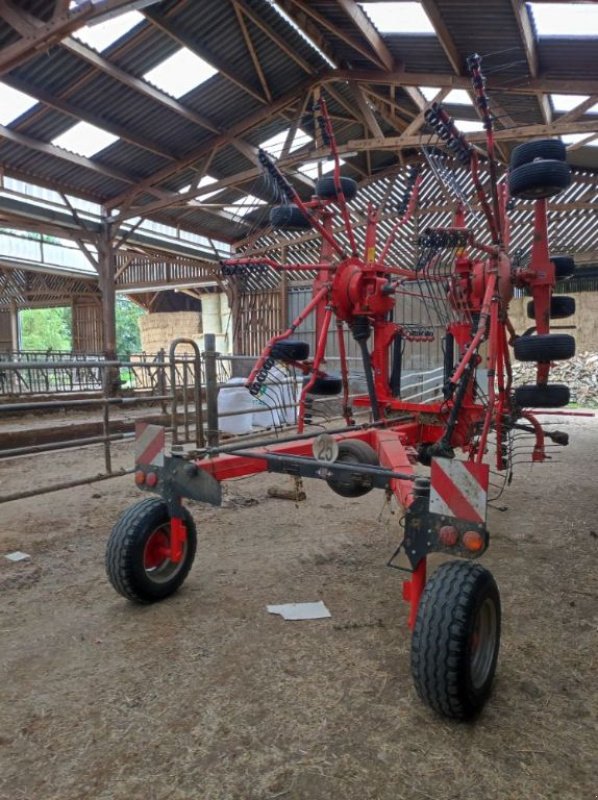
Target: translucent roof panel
{"points": [[456, 97], [13, 104], [399, 17], [567, 102], [565, 19], [310, 168], [104, 34], [180, 72], [469, 125], [275, 143], [205, 181], [574, 138], [84, 139], [244, 206]]}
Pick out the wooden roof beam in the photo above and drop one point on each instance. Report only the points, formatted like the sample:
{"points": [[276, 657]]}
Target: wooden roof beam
{"points": [[530, 47], [384, 143], [38, 36], [324, 23], [64, 155]]}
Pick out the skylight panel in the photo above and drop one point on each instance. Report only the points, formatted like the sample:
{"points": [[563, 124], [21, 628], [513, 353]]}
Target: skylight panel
{"points": [[458, 97], [567, 102], [104, 34], [429, 92], [310, 168], [13, 104], [469, 125], [205, 181], [574, 138], [275, 143], [399, 17], [180, 72], [84, 139], [244, 205], [565, 19]]}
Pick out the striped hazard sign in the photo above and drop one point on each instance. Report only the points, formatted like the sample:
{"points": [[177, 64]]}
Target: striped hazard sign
{"points": [[459, 489], [150, 443]]}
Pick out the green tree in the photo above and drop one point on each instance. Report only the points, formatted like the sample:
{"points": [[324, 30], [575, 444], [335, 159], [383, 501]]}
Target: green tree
{"points": [[128, 339], [46, 329]]}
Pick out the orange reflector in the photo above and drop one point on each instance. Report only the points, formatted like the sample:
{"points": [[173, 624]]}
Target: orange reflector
{"points": [[152, 479], [140, 477], [448, 535], [473, 540]]}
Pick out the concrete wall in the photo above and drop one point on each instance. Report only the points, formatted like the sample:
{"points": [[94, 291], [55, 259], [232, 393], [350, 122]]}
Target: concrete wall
{"points": [[585, 320]]}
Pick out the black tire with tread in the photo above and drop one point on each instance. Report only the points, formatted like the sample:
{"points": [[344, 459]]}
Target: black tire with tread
{"points": [[441, 644], [290, 350], [526, 153], [289, 218], [544, 347], [126, 546], [326, 386], [539, 179], [353, 451], [550, 395], [326, 189], [561, 307]]}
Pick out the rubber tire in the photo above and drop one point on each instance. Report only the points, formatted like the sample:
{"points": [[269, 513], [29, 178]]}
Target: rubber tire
{"points": [[124, 552], [561, 307], [326, 190], [539, 179], [544, 347], [440, 657], [326, 386], [564, 267], [288, 218], [551, 395], [528, 152], [290, 350], [353, 451]]}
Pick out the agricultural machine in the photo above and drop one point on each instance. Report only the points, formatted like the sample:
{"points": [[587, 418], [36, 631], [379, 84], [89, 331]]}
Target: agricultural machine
{"points": [[435, 458]]}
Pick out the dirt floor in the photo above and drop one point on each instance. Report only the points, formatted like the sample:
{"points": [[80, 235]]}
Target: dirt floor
{"points": [[208, 697]]}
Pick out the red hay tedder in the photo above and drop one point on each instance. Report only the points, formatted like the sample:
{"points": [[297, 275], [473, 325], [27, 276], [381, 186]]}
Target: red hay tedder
{"points": [[455, 615]]}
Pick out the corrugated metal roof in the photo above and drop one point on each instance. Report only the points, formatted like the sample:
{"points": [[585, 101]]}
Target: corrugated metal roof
{"points": [[238, 102]]}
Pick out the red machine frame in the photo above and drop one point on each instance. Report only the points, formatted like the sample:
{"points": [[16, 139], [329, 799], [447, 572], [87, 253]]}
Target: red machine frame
{"points": [[357, 291]]}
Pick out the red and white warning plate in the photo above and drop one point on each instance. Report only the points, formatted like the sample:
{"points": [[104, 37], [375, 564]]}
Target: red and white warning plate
{"points": [[459, 489], [150, 444]]}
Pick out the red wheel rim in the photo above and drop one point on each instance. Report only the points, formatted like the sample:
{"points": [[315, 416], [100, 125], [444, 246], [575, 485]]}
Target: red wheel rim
{"points": [[157, 550]]}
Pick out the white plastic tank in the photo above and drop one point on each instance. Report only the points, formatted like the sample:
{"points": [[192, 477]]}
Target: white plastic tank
{"points": [[234, 397]]}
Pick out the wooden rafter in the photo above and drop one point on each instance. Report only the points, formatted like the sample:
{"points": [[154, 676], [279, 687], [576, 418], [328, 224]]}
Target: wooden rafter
{"points": [[184, 40], [326, 24], [385, 143], [38, 36], [252, 54], [528, 40]]}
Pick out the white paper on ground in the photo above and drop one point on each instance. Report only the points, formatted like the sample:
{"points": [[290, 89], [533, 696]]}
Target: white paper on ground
{"points": [[300, 610], [17, 556]]}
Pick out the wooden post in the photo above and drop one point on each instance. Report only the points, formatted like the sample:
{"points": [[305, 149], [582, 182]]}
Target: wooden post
{"points": [[14, 326]]}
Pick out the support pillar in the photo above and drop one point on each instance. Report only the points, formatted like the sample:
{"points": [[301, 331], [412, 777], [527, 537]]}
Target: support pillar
{"points": [[14, 326], [106, 273]]}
